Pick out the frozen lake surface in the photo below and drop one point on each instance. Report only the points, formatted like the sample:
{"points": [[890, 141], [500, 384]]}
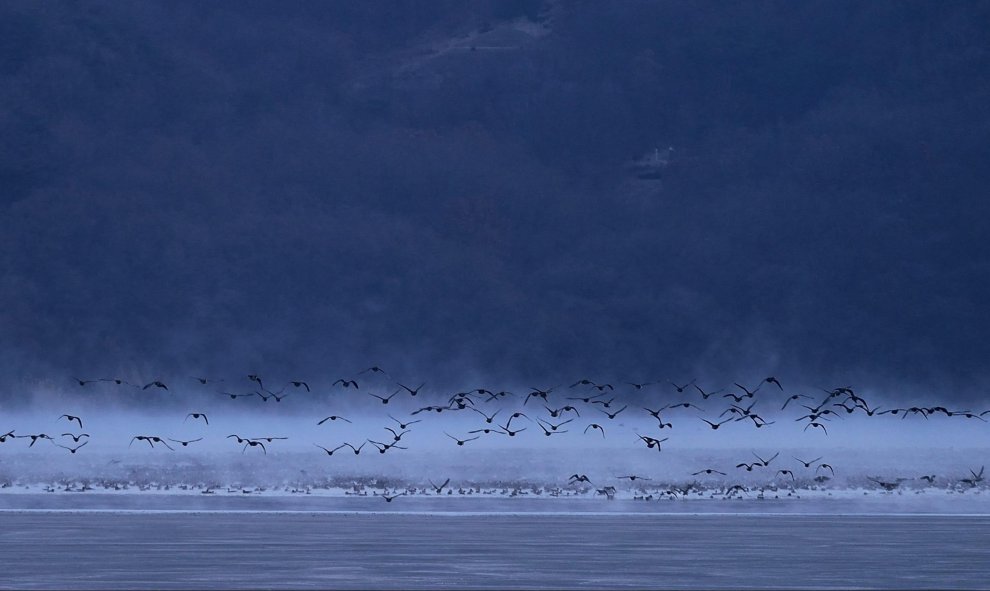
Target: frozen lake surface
{"points": [[171, 541]]}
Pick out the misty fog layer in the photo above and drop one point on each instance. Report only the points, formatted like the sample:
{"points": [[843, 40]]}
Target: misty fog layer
{"points": [[199, 436], [445, 189]]}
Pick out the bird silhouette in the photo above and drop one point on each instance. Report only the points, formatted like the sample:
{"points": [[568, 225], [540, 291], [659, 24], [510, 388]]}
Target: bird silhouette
{"points": [[807, 463], [185, 443], [384, 447], [234, 396], [488, 418], [75, 438], [197, 415], [439, 489], [555, 412], [976, 479], [386, 398], [749, 393], [300, 384], [715, 426], [256, 379], [708, 471], [413, 391], [34, 438], [254, 443], [652, 442], [549, 432], [774, 381], [554, 426], [537, 393], [374, 369], [509, 431], [680, 388], [766, 463], [205, 381], [71, 418], [356, 450], [612, 415], [151, 439], [460, 442], [794, 397], [346, 383], [334, 418], [157, 384], [404, 425], [584, 399], [329, 451], [73, 449], [595, 426], [396, 436], [705, 395]]}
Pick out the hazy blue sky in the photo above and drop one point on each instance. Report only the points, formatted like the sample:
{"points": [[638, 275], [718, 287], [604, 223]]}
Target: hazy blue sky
{"points": [[309, 188]]}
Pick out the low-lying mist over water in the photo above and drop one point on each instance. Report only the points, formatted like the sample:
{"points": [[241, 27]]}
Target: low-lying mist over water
{"points": [[300, 438]]}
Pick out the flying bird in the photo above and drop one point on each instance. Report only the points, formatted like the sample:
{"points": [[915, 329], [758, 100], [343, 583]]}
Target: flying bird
{"points": [[197, 415], [679, 387], [794, 397], [595, 426], [334, 418], [402, 426], [412, 391], [205, 381], [386, 398], [715, 426], [374, 369], [705, 395], [329, 451], [151, 439], [439, 489], [808, 463], [459, 441], [612, 415], [254, 443], [489, 418], [73, 449], [71, 418], [766, 463]]}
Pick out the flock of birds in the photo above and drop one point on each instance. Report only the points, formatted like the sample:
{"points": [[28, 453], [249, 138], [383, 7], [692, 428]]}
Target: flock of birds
{"points": [[585, 406]]}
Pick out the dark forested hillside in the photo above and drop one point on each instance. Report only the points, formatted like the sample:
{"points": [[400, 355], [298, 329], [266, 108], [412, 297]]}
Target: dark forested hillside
{"points": [[445, 187]]}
